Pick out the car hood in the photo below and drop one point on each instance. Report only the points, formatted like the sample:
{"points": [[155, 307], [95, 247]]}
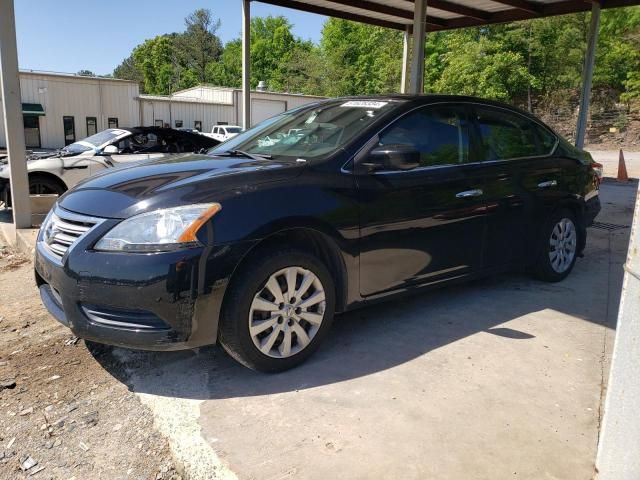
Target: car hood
{"points": [[169, 182]]}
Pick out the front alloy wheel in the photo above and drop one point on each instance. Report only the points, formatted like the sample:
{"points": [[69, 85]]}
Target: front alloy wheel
{"points": [[278, 308], [287, 313]]}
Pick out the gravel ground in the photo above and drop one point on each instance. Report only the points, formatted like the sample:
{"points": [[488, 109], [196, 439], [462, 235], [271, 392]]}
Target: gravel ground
{"points": [[62, 415]]}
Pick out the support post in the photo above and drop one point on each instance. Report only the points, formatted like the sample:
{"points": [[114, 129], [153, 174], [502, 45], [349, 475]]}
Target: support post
{"points": [[417, 57], [587, 75], [619, 442], [12, 114], [246, 64], [405, 60]]}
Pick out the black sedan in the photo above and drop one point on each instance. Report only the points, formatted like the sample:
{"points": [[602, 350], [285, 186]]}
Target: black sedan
{"points": [[258, 243]]}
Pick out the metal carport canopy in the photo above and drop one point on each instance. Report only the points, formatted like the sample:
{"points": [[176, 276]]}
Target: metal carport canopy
{"points": [[444, 14]]}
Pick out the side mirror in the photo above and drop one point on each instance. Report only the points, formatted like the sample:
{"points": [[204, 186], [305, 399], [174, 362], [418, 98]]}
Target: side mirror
{"points": [[110, 150], [393, 157]]}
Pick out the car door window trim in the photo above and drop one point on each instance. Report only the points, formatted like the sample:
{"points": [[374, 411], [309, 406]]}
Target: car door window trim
{"points": [[351, 165]]}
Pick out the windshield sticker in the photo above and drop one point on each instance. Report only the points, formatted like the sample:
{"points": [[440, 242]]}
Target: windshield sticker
{"points": [[364, 104]]}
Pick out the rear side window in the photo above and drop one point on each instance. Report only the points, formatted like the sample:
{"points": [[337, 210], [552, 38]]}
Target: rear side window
{"points": [[439, 133], [506, 135]]}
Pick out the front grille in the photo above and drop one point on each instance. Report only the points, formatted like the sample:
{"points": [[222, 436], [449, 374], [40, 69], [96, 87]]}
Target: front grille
{"points": [[62, 229]]}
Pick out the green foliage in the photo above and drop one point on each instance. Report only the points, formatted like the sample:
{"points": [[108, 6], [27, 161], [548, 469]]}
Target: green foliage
{"points": [[511, 62]]}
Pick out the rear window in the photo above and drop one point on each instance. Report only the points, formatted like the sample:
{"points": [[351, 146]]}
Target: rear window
{"points": [[506, 135]]}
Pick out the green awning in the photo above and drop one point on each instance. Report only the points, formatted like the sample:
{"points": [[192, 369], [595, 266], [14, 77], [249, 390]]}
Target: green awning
{"points": [[32, 109]]}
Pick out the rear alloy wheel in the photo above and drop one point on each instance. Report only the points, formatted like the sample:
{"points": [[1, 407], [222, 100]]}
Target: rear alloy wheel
{"points": [[558, 247], [277, 310], [562, 245]]}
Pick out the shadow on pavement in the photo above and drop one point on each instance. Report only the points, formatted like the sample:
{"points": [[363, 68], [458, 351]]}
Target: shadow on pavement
{"points": [[366, 341], [387, 335]]}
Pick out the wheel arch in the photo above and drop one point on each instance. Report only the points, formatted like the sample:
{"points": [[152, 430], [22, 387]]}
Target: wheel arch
{"points": [[577, 208], [307, 239], [48, 176]]}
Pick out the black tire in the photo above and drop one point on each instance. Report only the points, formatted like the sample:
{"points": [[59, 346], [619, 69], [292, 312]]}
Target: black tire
{"points": [[234, 333], [542, 267], [43, 184]]}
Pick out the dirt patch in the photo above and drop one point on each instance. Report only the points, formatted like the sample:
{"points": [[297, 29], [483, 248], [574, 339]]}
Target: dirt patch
{"points": [[62, 415]]}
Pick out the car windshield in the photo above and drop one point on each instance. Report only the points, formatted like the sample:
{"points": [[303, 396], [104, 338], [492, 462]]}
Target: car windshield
{"points": [[96, 140], [234, 129], [308, 132]]}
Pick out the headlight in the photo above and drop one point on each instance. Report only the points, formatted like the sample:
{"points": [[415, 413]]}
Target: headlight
{"points": [[160, 230]]}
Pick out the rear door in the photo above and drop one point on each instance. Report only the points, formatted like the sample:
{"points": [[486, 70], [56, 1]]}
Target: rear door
{"points": [[524, 180], [427, 224]]}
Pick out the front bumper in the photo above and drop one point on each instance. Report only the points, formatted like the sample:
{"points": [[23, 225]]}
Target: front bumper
{"points": [[157, 301]]}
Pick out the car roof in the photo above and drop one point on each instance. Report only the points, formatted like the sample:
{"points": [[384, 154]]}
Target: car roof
{"points": [[429, 98]]}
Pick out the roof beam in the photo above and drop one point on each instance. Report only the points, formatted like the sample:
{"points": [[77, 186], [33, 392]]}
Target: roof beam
{"points": [[524, 5], [329, 12], [387, 10], [458, 9]]}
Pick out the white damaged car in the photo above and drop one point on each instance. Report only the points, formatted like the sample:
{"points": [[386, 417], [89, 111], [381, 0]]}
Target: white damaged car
{"points": [[56, 172]]}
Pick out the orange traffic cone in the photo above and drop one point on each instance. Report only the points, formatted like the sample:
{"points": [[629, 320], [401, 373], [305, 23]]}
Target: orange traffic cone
{"points": [[622, 169]]}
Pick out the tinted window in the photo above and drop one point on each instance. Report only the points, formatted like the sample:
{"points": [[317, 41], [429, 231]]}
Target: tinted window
{"points": [[439, 133], [507, 135]]}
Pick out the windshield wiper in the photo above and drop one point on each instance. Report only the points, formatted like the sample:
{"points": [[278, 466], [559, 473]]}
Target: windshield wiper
{"points": [[253, 156]]}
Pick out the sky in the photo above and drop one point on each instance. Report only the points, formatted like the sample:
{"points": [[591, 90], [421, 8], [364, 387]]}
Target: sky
{"points": [[72, 35]]}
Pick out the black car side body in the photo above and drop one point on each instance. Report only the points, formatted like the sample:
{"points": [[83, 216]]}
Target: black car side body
{"points": [[380, 233]]}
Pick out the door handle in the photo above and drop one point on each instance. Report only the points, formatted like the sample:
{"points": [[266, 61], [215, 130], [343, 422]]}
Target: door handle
{"points": [[548, 184], [469, 193]]}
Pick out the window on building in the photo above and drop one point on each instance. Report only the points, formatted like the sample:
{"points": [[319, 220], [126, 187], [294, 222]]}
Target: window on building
{"points": [[69, 124], [197, 125], [178, 123], [439, 133], [113, 122], [223, 123], [507, 135], [92, 126], [32, 131], [159, 123]]}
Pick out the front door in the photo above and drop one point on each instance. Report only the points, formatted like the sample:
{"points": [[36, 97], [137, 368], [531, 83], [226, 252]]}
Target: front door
{"points": [[31, 131], [427, 224]]}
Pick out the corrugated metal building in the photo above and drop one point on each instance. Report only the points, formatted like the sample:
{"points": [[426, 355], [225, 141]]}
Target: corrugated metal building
{"points": [[59, 109], [203, 107]]}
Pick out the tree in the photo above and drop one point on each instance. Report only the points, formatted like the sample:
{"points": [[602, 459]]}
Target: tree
{"points": [[199, 45], [86, 73]]}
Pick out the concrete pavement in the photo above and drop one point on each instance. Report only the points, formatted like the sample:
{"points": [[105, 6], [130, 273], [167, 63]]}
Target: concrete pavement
{"points": [[501, 378]]}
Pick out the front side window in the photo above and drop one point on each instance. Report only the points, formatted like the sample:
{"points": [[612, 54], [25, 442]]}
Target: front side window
{"points": [[113, 122], [310, 132], [439, 133], [140, 143], [506, 135]]}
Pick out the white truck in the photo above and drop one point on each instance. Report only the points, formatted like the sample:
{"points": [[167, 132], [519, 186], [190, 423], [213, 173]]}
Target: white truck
{"points": [[223, 132]]}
